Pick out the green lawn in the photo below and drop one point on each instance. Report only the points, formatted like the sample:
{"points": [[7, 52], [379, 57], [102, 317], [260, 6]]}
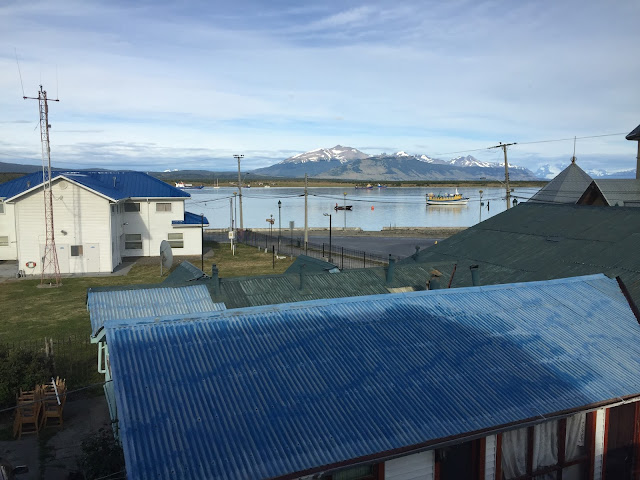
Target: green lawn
{"points": [[32, 313]]}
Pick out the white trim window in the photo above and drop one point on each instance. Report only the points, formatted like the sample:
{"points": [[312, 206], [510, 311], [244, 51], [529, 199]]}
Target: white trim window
{"points": [[4, 240], [176, 240], [163, 207], [1, 207], [133, 241]]}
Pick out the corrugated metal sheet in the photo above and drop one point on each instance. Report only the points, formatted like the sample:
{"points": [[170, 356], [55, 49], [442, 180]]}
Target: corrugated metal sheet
{"points": [[125, 185], [541, 242], [620, 192], [567, 187], [156, 302], [183, 274], [267, 391], [311, 265]]}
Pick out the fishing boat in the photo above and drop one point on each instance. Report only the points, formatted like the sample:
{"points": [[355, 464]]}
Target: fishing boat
{"points": [[381, 186], [188, 186], [447, 199], [341, 207]]}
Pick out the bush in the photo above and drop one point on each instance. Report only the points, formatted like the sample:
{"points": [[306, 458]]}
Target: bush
{"points": [[21, 369], [101, 456]]}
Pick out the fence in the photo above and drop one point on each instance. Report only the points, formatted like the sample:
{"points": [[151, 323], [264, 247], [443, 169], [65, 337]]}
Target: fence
{"points": [[290, 245], [72, 357]]}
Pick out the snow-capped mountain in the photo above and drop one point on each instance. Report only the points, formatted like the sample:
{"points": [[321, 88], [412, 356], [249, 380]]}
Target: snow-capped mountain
{"points": [[340, 153], [471, 161]]}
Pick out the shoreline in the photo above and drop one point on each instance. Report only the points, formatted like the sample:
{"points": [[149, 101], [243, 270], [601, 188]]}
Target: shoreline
{"points": [[425, 232]]}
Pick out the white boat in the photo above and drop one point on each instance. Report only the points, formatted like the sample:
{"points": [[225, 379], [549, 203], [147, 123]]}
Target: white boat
{"points": [[216, 185], [184, 186], [447, 199]]}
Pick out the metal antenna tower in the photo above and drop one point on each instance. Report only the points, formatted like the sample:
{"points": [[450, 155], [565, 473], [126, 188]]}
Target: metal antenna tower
{"points": [[50, 267]]}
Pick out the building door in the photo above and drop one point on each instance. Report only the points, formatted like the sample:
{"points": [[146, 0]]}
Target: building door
{"points": [[456, 462], [92, 257], [621, 423], [63, 259]]}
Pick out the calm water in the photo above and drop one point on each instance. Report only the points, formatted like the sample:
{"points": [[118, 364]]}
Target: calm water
{"points": [[372, 209]]}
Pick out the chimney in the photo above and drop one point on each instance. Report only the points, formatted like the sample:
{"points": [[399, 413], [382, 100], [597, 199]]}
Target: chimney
{"points": [[475, 275], [302, 277], [434, 282], [390, 270], [415, 255], [215, 277]]}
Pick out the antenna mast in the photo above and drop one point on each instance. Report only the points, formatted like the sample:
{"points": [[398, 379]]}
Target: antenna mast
{"points": [[50, 266]]}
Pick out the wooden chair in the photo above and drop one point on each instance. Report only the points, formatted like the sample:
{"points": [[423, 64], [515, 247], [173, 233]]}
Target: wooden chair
{"points": [[51, 409], [29, 408]]}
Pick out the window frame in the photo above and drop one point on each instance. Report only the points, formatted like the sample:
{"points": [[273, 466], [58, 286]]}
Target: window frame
{"points": [[131, 241], [164, 205], [3, 209], [586, 458], [2, 244], [177, 242], [79, 251], [132, 207]]}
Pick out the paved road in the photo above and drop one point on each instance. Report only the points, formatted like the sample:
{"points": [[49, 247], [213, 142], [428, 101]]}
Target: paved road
{"points": [[397, 246]]}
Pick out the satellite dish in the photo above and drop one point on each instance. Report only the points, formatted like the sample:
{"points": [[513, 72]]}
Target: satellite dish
{"points": [[166, 256]]}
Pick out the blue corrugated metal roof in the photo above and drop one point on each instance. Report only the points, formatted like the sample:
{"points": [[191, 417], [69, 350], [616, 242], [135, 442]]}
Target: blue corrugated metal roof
{"points": [[267, 391], [115, 185], [155, 302], [191, 219]]}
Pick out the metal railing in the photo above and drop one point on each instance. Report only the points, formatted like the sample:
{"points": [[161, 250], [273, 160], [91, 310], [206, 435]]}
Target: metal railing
{"points": [[291, 245]]}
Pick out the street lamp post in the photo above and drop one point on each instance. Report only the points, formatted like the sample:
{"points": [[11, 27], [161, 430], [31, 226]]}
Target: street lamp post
{"points": [[481, 204], [279, 223], [329, 215], [271, 229], [202, 242], [344, 205]]}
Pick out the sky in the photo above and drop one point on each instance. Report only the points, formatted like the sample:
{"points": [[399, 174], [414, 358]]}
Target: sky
{"points": [[186, 85]]}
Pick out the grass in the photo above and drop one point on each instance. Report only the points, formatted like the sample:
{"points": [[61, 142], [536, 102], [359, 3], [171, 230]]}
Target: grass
{"points": [[30, 313]]}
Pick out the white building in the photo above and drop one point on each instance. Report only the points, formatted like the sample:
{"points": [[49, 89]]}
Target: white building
{"points": [[99, 218]]}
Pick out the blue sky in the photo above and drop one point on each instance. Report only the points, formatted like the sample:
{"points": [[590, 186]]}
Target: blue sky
{"points": [[159, 85]]}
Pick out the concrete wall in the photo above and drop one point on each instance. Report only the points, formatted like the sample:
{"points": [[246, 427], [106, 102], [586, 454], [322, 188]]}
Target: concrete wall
{"points": [[81, 218], [8, 229]]}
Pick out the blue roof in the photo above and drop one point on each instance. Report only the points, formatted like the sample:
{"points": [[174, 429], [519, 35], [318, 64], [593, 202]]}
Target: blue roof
{"points": [[269, 391], [191, 219], [153, 302], [125, 185]]}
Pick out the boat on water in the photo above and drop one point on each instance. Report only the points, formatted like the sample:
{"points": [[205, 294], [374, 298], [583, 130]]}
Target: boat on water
{"points": [[447, 199], [188, 186], [381, 186], [368, 187], [216, 185], [342, 207]]}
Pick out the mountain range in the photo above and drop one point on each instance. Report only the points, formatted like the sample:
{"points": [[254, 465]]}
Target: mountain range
{"points": [[347, 163]]}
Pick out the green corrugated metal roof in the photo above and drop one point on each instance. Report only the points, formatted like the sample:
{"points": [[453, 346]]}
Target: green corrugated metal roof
{"points": [[541, 242], [311, 265], [567, 187]]}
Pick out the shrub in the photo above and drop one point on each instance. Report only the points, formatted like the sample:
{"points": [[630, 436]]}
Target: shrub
{"points": [[21, 369], [101, 455]]}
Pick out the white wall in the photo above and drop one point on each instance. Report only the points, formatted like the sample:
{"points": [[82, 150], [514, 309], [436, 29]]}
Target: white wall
{"points": [[8, 229], [83, 216], [154, 226], [419, 466]]}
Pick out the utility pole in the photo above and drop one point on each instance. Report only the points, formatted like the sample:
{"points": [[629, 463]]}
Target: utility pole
{"points": [[279, 223], [231, 221], [306, 224], [504, 146], [50, 257], [344, 208], [238, 157]]}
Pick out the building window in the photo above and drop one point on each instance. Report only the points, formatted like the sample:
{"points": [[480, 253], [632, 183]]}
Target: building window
{"points": [[76, 250], [544, 450], [113, 209], [176, 240], [1, 208], [131, 207], [4, 241], [133, 241], [163, 207]]}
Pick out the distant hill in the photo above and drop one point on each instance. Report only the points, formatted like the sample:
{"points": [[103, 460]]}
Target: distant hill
{"points": [[18, 168]]}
